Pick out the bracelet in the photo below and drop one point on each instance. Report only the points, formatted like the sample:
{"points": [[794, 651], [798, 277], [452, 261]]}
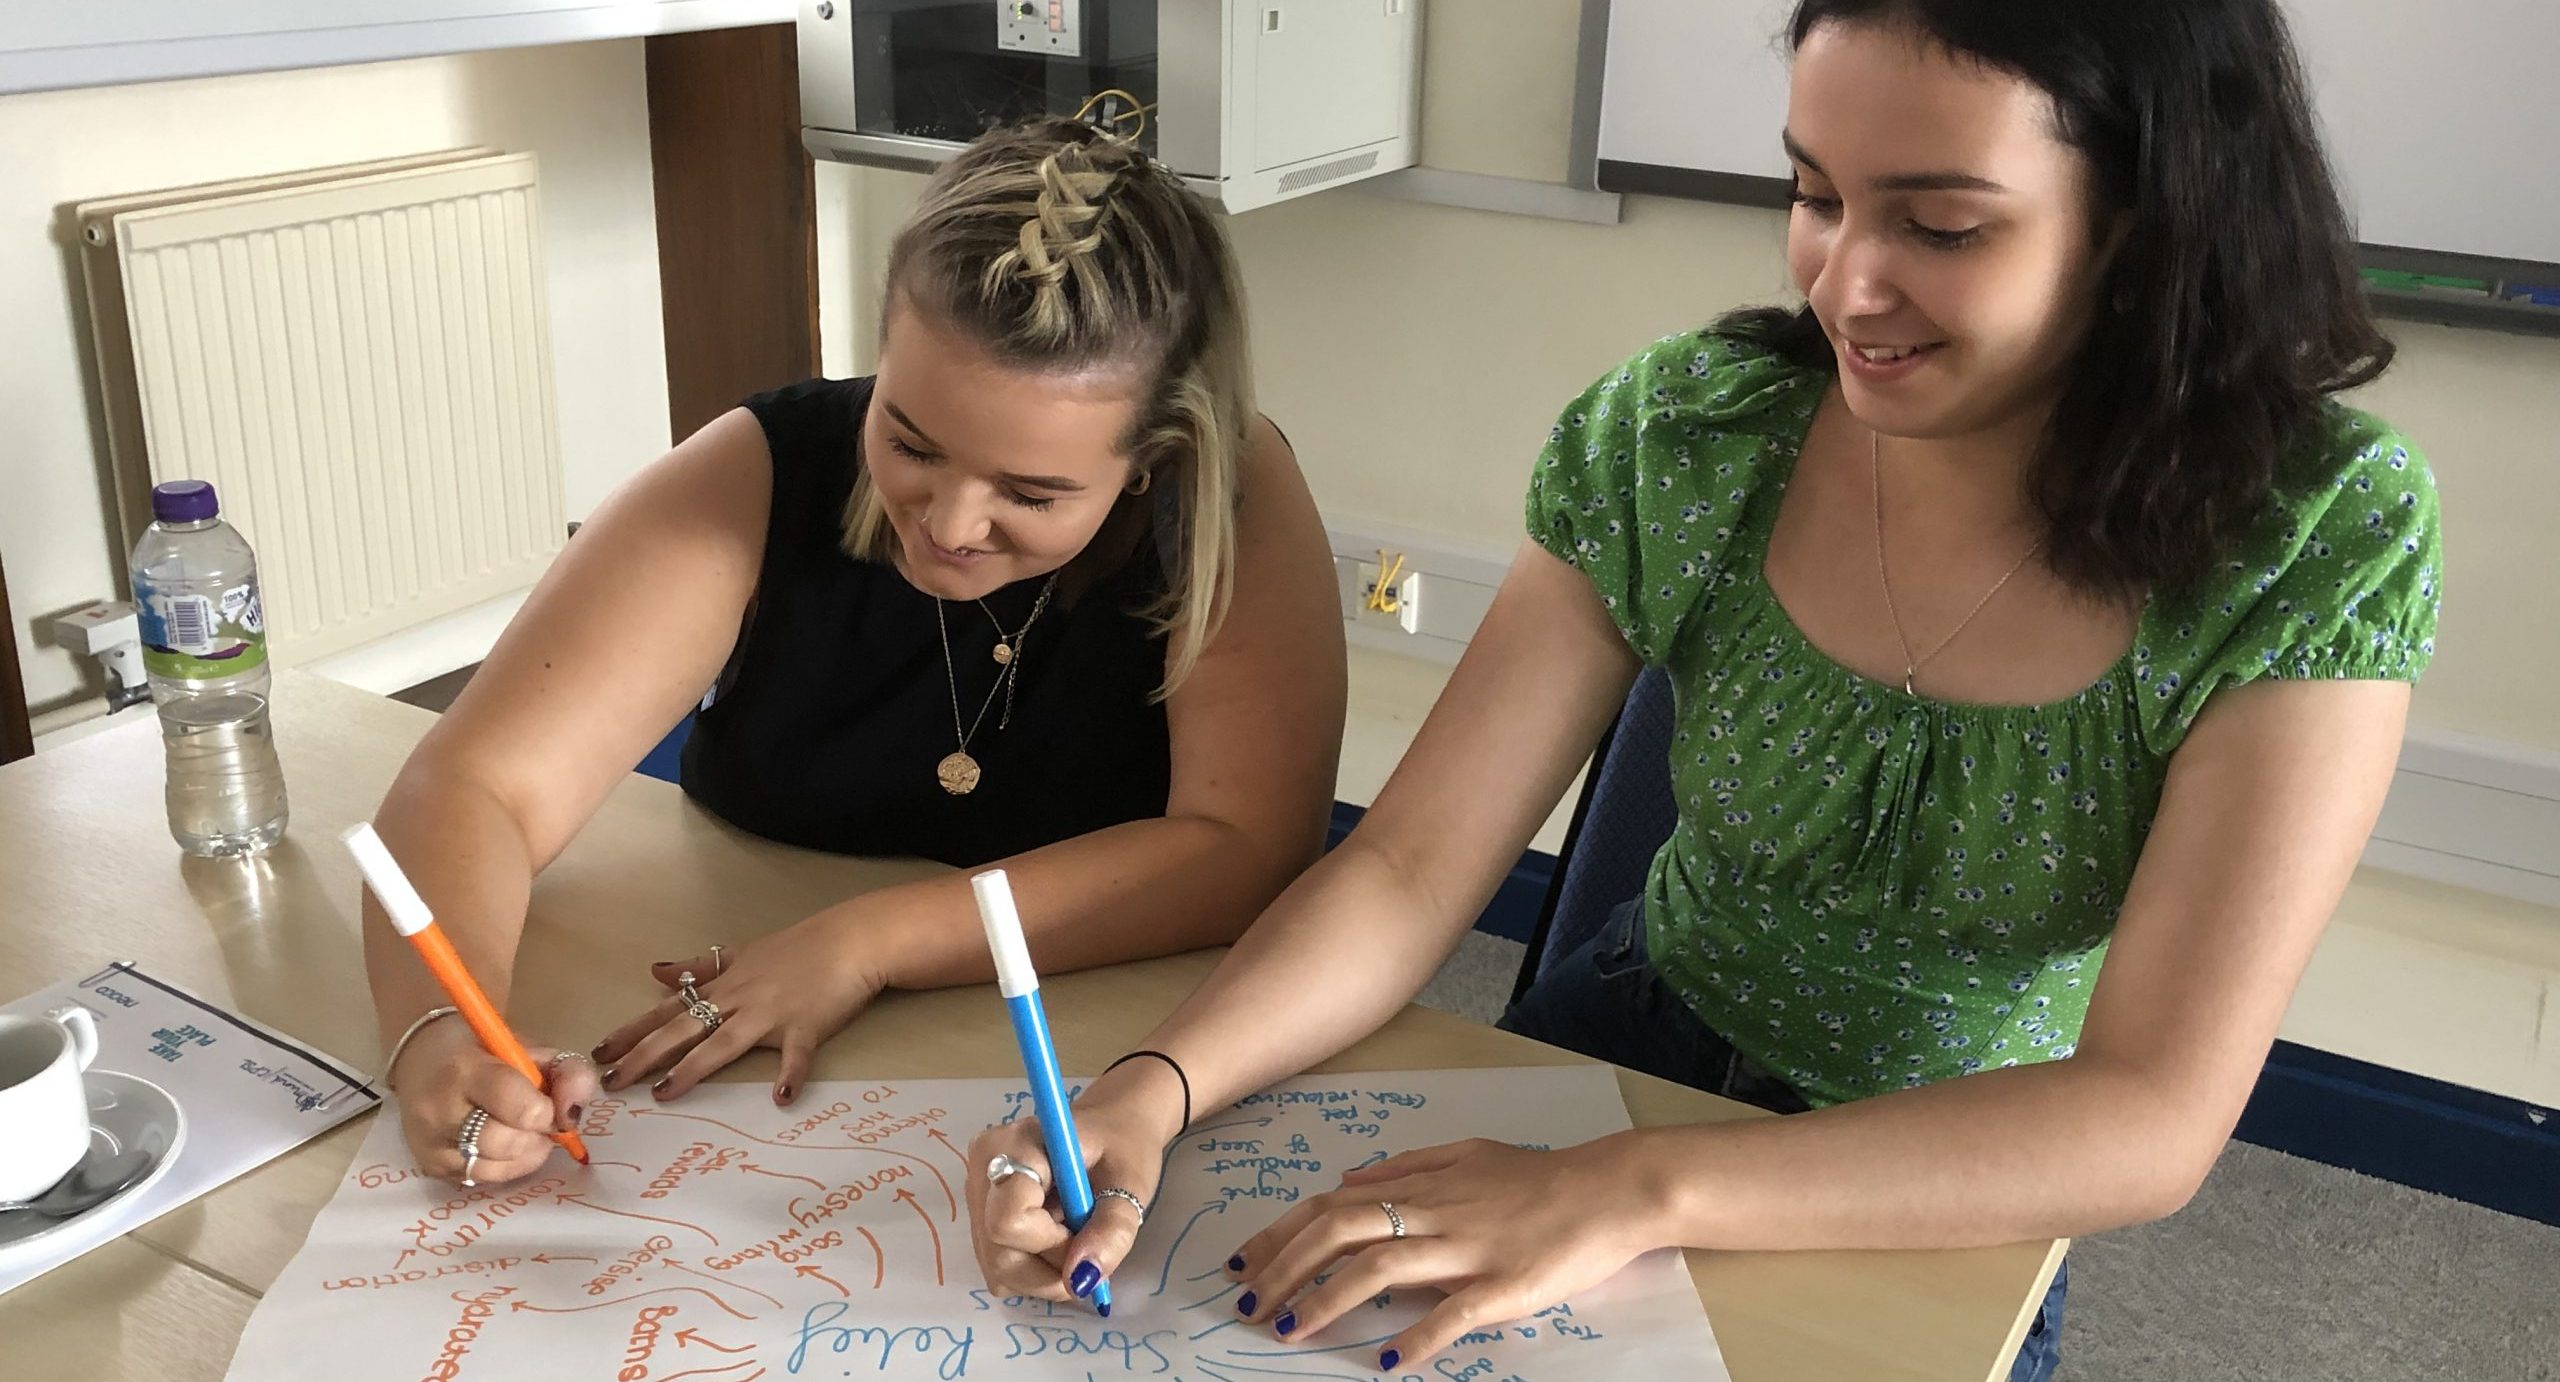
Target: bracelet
{"points": [[402, 1044], [1176, 1066]]}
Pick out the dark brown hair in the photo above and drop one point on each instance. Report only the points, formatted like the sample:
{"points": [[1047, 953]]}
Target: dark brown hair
{"points": [[2233, 307]]}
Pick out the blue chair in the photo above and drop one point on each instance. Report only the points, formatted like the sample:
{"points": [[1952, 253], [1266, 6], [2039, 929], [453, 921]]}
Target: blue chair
{"points": [[1625, 813], [666, 761]]}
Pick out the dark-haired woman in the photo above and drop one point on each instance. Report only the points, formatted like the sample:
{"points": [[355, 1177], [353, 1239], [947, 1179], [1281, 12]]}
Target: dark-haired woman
{"points": [[2041, 632]]}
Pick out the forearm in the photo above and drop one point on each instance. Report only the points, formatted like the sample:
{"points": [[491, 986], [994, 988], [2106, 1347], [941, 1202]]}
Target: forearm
{"points": [[2045, 1151], [1134, 891], [1342, 951], [468, 859]]}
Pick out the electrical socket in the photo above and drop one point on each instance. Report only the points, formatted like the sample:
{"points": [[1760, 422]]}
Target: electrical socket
{"points": [[1404, 600]]}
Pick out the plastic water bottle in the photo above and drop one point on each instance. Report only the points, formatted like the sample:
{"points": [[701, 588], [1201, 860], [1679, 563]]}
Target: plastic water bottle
{"points": [[204, 645]]}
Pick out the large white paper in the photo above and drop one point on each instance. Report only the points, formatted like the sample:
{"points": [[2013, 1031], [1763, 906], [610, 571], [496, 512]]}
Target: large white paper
{"points": [[721, 1239], [249, 1095]]}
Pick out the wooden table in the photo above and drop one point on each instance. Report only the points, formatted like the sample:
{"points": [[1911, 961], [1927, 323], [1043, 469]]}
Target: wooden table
{"points": [[92, 876]]}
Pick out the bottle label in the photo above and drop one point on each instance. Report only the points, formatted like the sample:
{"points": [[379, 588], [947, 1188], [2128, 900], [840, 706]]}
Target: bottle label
{"points": [[200, 637]]}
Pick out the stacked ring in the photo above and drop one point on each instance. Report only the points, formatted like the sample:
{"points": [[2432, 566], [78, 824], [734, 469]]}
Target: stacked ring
{"points": [[697, 1007], [469, 1144]]}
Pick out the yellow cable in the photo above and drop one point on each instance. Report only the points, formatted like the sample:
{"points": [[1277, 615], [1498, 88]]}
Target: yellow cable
{"points": [[1137, 110], [1382, 592]]}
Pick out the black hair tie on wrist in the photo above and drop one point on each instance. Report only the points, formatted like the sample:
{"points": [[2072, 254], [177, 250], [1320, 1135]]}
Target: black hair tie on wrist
{"points": [[1171, 1063]]}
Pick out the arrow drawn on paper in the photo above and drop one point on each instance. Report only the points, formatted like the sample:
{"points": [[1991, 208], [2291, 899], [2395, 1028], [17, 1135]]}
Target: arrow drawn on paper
{"points": [[880, 1260], [599, 1305], [717, 1281], [626, 1214], [818, 1185], [694, 1336], [909, 1197], [948, 1198], [724, 1367], [957, 1155], [805, 1270], [1163, 1277], [547, 1258]]}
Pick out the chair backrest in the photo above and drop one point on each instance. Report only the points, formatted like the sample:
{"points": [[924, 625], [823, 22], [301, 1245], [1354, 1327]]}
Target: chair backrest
{"points": [[16, 739], [1625, 814]]}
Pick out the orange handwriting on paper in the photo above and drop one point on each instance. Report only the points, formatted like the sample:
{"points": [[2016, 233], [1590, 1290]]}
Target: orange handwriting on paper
{"points": [[629, 1264], [477, 1310], [880, 1125], [600, 1114], [643, 1342], [667, 1180], [844, 1197], [813, 1122]]}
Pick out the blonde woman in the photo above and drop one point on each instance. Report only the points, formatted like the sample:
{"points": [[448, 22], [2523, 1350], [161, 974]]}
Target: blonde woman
{"points": [[1045, 592]]}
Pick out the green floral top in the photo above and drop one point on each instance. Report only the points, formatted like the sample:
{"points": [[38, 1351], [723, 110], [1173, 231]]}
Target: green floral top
{"points": [[1868, 890]]}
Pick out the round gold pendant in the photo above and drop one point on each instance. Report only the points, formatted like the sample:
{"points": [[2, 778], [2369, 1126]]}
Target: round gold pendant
{"points": [[958, 774], [1004, 654]]}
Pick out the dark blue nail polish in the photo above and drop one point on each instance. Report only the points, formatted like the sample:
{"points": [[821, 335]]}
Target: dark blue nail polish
{"points": [[1244, 1304], [1236, 1263], [1102, 1308], [1286, 1324], [1086, 1278], [1388, 1358]]}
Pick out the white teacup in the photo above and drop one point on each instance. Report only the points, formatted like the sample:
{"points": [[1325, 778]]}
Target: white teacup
{"points": [[42, 1106]]}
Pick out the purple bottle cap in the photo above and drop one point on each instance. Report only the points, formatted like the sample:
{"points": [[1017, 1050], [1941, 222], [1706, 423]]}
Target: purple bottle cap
{"points": [[184, 501]]}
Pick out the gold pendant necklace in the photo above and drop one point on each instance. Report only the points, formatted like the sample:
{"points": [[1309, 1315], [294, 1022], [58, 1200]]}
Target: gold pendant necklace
{"points": [[958, 772], [1911, 664], [1009, 645]]}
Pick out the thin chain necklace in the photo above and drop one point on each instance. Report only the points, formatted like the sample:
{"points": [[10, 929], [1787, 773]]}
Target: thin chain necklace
{"points": [[1911, 665], [1007, 644], [958, 772]]}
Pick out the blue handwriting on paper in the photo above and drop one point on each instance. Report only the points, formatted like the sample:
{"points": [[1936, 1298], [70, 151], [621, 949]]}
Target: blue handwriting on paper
{"points": [[1018, 1102], [1108, 1346], [172, 1045], [819, 1327]]}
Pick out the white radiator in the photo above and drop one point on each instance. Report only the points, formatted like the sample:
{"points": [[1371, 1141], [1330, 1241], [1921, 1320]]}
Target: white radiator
{"points": [[359, 359]]}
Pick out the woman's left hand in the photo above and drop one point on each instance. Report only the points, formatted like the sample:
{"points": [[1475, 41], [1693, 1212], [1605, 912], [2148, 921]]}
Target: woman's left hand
{"points": [[1504, 1231], [789, 990]]}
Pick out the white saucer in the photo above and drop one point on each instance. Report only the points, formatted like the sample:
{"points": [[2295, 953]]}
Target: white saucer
{"points": [[125, 1111]]}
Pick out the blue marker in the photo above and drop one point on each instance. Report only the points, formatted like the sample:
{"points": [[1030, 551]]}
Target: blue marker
{"points": [[1020, 984]]}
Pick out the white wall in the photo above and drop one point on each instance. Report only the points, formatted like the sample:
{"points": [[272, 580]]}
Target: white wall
{"points": [[1417, 354], [582, 108]]}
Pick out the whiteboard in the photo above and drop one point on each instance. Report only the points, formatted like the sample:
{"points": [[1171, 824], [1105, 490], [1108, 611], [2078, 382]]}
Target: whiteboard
{"points": [[50, 44], [2442, 118]]}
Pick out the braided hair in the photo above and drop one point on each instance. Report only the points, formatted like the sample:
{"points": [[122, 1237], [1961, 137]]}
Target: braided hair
{"points": [[1060, 247]]}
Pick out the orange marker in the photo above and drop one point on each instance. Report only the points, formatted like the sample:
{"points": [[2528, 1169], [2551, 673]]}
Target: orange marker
{"points": [[410, 917]]}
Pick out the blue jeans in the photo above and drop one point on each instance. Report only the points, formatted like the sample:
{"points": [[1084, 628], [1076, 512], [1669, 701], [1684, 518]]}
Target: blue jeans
{"points": [[1604, 1000]]}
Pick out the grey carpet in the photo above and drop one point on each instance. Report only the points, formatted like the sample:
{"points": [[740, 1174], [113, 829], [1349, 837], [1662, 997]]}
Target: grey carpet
{"points": [[2281, 1270]]}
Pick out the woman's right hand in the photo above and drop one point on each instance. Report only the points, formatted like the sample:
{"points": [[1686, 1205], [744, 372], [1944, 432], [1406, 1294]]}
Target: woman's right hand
{"points": [[444, 1074], [1124, 1122]]}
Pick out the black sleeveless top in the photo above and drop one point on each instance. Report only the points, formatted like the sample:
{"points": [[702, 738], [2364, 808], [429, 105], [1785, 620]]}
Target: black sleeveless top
{"points": [[826, 725]]}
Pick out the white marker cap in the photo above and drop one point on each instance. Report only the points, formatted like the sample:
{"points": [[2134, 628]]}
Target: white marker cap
{"points": [[409, 914], [1014, 974]]}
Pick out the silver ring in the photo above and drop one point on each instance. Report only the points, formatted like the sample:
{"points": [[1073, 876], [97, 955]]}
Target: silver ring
{"points": [[1395, 1221], [719, 962], [553, 1064], [1001, 1167], [1117, 1193], [685, 986], [468, 1143], [706, 1012]]}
